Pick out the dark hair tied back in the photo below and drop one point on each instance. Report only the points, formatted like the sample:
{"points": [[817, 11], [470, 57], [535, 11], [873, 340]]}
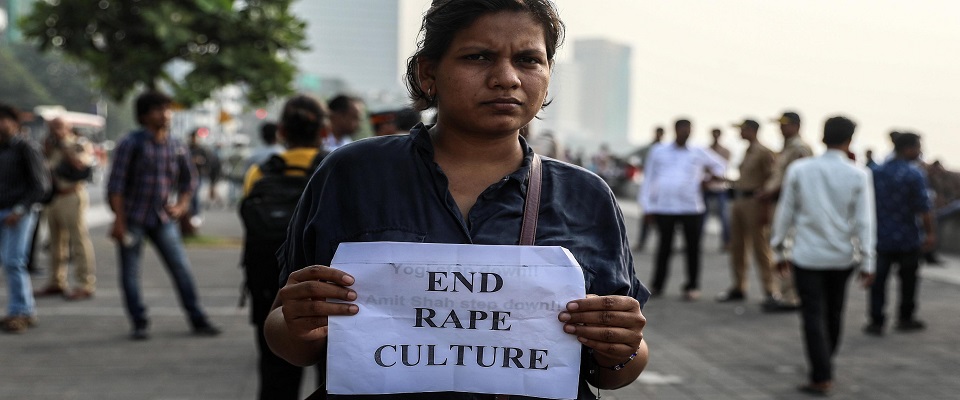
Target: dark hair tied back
{"points": [[302, 118]]}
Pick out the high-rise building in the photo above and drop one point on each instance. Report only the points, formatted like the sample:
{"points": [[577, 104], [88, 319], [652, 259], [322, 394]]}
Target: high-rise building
{"points": [[354, 42], [591, 96], [604, 75]]}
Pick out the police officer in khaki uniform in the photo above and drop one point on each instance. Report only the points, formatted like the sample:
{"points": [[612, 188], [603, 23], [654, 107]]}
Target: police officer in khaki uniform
{"points": [[66, 213], [794, 148], [749, 222]]}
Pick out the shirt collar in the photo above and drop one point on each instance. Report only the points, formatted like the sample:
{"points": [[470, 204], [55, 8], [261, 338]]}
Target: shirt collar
{"points": [[836, 154], [420, 135]]}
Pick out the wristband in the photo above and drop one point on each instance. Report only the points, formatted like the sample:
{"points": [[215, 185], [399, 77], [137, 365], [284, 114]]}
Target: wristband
{"points": [[621, 365]]}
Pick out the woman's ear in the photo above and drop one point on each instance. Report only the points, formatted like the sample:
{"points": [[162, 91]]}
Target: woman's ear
{"points": [[426, 76]]}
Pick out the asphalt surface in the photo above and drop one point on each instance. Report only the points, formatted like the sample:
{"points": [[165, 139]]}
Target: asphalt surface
{"points": [[699, 350]]}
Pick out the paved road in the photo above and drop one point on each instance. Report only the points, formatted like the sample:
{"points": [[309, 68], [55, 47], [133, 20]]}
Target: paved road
{"points": [[700, 350]]}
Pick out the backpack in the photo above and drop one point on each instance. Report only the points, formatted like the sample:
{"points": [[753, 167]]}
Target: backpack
{"points": [[265, 213], [267, 209]]}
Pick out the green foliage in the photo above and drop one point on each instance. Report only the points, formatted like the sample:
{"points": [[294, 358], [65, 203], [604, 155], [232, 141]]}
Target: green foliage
{"points": [[191, 47]]}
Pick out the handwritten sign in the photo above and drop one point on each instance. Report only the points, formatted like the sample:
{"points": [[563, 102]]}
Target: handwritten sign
{"points": [[448, 317]]}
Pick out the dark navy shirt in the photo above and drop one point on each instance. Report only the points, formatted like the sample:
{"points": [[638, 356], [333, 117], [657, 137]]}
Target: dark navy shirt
{"points": [[901, 192], [390, 189]]}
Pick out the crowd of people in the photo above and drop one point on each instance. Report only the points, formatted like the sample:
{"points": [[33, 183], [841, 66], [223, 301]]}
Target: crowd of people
{"points": [[808, 221]]}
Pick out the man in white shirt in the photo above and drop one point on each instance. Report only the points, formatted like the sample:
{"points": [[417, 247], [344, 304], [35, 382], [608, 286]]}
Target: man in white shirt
{"points": [[672, 193], [827, 202]]}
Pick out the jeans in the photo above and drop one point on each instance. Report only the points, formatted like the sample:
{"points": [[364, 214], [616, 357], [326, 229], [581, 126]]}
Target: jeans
{"points": [[14, 244], [822, 295], [167, 242], [909, 263], [722, 210], [692, 232]]}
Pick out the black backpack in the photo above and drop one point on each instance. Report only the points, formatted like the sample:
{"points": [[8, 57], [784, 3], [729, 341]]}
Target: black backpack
{"points": [[267, 209]]}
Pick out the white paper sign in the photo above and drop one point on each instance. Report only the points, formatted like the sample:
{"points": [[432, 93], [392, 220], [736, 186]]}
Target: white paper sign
{"points": [[448, 317]]}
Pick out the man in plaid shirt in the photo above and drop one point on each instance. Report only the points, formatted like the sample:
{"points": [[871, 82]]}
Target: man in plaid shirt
{"points": [[149, 168]]}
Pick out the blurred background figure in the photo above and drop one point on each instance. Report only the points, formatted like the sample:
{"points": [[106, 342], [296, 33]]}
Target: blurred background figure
{"points": [[345, 116], [24, 181], [715, 192], [794, 148], [824, 229], [71, 159], [234, 160], [750, 228], [269, 145], [641, 155], [903, 207], [671, 195], [208, 167]]}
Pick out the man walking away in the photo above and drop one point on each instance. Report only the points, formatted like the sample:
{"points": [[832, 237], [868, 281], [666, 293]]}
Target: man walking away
{"points": [[794, 148], [150, 167], [902, 200], [23, 182], [827, 203]]}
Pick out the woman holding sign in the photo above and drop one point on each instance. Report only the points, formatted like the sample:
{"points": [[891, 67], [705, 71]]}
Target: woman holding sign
{"points": [[485, 66]]}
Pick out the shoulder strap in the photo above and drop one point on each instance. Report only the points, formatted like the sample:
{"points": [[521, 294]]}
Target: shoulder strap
{"points": [[531, 207], [139, 142]]}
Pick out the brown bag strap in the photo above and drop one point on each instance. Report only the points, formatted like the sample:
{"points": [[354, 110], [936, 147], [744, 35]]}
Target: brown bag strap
{"points": [[531, 207]]}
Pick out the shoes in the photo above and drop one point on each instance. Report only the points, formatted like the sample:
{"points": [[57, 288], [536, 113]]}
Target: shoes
{"points": [[17, 323], [206, 329], [911, 325], [49, 291], [80, 294], [140, 331], [691, 295], [140, 334], [775, 305], [730, 296], [873, 329], [821, 389]]}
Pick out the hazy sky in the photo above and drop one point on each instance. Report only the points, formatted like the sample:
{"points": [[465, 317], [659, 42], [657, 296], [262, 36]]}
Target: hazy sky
{"points": [[886, 64]]}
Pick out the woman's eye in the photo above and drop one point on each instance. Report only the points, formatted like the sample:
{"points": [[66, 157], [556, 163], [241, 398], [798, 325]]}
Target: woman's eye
{"points": [[530, 60]]}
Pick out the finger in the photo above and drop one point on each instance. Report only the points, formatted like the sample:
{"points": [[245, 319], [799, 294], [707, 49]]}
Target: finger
{"points": [[321, 273], [603, 303], [613, 342], [315, 290], [317, 309], [622, 319]]}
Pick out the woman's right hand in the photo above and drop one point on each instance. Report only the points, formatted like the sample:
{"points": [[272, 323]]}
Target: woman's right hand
{"points": [[303, 300]]}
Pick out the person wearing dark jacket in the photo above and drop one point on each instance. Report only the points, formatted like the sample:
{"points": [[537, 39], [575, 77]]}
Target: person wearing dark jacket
{"points": [[24, 181]]}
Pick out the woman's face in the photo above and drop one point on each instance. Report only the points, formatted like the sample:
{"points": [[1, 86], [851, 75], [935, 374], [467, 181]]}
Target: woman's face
{"points": [[493, 79]]}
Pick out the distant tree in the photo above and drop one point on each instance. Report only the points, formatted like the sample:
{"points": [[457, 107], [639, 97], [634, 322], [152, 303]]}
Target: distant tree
{"points": [[192, 47]]}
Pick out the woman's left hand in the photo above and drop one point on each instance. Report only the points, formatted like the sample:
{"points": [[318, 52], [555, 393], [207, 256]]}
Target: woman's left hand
{"points": [[610, 325]]}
